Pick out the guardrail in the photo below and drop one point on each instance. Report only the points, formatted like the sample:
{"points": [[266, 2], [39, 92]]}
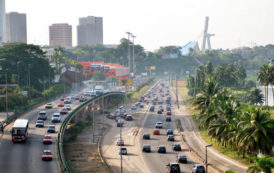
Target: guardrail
{"points": [[60, 153]]}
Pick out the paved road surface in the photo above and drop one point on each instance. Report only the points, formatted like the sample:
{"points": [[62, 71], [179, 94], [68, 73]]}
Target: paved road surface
{"points": [[26, 157]]}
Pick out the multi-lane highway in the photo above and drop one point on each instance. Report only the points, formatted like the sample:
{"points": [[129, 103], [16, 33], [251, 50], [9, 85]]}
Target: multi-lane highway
{"points": [[26, 157]]}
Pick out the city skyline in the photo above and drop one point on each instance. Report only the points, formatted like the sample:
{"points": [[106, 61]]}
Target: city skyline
{"points": [[157, 23], [16, 27]]}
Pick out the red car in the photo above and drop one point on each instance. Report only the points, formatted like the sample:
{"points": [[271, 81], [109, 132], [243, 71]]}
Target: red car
{"points": [[77, 97], [168, 113], [64, 111], [46, 155], [47, 139], [160, 102], [156, 132], [61, 105]]}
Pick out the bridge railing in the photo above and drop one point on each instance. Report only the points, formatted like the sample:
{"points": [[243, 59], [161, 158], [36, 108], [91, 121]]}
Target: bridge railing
{"points": [[60, 152]]}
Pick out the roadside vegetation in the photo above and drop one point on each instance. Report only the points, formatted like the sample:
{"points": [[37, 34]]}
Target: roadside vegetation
{"points": [[229, 117]]}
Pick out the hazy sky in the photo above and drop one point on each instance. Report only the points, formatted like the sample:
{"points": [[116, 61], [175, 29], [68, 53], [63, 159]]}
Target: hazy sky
{"points": [[156, 22]]}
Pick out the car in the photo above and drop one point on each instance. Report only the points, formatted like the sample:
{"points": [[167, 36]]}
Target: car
{"points": [[46, 155], [170, 138], [161, 149], [56, 118], [120, 142], [168, 109], [168, 112], [159, 111], [129, 118], [181, 158], [160, 102], [39, 123], [141, 106], [82, 99], [51, 129], [42, 115], [146, 148], [159, 125], [64, 111], [133, 107], [48, 106], [47, 139], [146, 136], [61, 105], [67, 106], [169, 132], [161, 108], [176, 147], [122, 151], [156, 132], [173, 167], [77, 97], [168, 118], [198, 168], [151, 109]]}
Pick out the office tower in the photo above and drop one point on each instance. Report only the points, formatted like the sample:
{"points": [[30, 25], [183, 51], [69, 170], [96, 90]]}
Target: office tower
{"points": [[60, 34], [90, 31], [16, 30], [2, 21]]}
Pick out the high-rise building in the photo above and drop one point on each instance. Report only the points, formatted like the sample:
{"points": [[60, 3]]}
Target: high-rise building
{"points": [[2, 21], [60, 35], [16, 27], [90, 31]]}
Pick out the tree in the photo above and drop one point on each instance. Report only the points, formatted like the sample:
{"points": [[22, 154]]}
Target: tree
{"points": [[265, 75], [209, 68], [256, 97], [257, 131], [57, 57], [98, 76], [263, 164]]}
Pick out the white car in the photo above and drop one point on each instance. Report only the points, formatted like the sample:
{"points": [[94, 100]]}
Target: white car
{"points": [[67, 106], [48, 106], [159, 125], [56, 118]]}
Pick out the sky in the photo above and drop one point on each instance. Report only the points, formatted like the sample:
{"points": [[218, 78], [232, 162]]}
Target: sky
{"points": [[156, 23]]}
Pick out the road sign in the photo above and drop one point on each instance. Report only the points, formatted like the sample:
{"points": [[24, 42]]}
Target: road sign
{"points": [[152, 68], [9, 85]]}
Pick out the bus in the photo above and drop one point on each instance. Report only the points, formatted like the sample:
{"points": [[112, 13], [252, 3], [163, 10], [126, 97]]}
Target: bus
{"points": [[19, 131]]}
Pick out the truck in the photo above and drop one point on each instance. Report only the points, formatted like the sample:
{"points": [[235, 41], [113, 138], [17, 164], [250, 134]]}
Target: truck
{"points": [[99, 89]]}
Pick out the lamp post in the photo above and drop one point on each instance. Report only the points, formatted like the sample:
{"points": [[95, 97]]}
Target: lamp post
{"points": [[133, 55], [129, 64], [206, 154]]}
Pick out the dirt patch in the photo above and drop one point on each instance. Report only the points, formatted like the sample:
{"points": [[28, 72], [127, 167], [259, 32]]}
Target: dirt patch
{"points": [[84, 158]]}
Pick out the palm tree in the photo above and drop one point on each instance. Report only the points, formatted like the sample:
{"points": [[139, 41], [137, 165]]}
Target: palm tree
{"points": [[257, 131], [264, 77], [263, 164], [57, 56], [256, 97]]}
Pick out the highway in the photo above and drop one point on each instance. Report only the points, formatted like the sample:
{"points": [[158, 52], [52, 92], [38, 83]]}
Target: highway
{"points": [[26, 157]]}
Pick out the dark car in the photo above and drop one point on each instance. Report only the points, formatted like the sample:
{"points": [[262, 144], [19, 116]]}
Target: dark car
{"points": [[161, 149], [170, 138], [51, 129], [169, 132], [141, 106], [146, 148], [182, 158], [151, 109], [198, 168], [168, 118], [129, 118], [168, 109], [159, 111], [173, 168], [146, 136], [176, 147]]}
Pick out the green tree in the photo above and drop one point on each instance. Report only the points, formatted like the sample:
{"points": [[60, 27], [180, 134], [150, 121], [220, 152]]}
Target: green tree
{"points": [[264, 77], [263, 164], [255, 97], [209, 68], [98, 76]]}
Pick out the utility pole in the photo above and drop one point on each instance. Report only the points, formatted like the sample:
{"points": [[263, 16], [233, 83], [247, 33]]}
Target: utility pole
{"points": [[93, 128], [121, 157], [206, 155], [129, 63], [177, 92], [133, 55]]}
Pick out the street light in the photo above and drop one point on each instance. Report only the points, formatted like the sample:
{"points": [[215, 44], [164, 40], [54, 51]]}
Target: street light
{"points": [[129, 64], [210, 145], [133, 56]]}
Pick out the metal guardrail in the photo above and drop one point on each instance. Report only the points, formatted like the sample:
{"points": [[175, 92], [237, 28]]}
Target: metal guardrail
{"points": [[60, 153]]}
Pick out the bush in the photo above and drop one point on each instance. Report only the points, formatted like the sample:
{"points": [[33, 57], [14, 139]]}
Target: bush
{"points": [[55, 90], [229, 171]]}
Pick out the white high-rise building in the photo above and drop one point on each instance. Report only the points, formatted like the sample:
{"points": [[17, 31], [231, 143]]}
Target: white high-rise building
{"points": [[2, 21], [16, 27]]}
